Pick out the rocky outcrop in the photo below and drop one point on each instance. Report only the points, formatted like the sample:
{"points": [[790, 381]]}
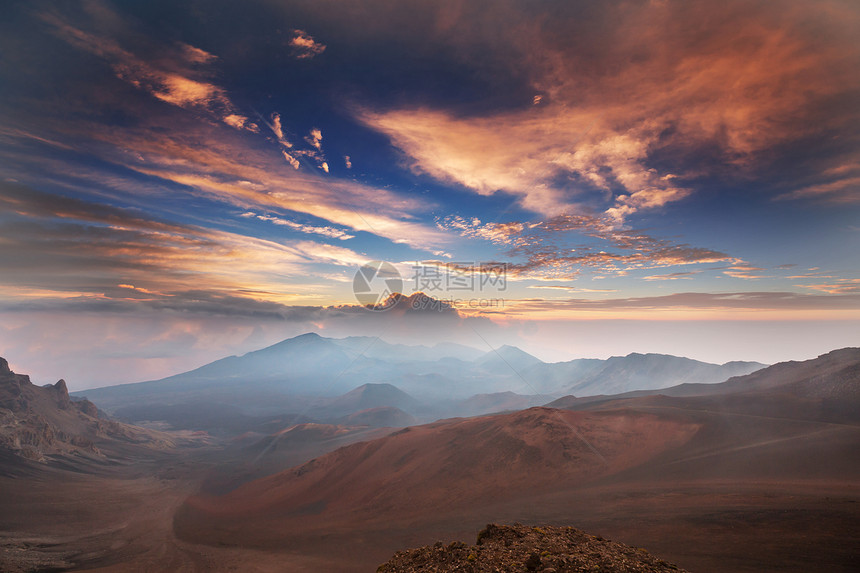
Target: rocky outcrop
{"points": [[87, 407], [37, 422], [12, 388], [61, 394], [521, 548]]}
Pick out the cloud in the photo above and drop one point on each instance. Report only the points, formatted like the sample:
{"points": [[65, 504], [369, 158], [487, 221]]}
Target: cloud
{"points": [[99, 341], [239, 122], [276, 128], [845, 190], [760, 301], [573, 288], [344, 203], [324, 231], [552, 160], [549, 253], [743, 271], [177, 153], [314, 138], [76, 250], [839, 287], [294, 163], [630, 115], [195, 55], [672, 276], [186, 86], [304, 46], [497, 233]]}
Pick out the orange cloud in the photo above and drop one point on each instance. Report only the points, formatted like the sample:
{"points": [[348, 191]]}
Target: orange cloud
{"points": [[742, 80], [97, 247], [184, 86], [845, 190], [304, 46], [621, 250], [694, 305], [841, 286], [224, 165]]}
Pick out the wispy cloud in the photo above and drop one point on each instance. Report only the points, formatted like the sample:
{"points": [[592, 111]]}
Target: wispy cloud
{"points": [[99, 251], [182, 85], [331, 232], [845, 190], [839, 286], [703, 303], [294, 163], [178, 151], [573, 288], [544, 250], [278, 130], [744, 271], [261, 184], [672, 276], [304, 46], [498, 233]]}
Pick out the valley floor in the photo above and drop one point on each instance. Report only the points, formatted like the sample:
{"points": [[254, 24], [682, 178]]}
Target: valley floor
{"points": [[55, 520], [122, 519]]}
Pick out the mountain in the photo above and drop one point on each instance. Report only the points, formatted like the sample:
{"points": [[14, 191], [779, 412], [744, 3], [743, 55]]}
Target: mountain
{"points": [[654, 371], [507, 360], [365, 397], [308, 364], [417, 304], [453, 464], [829, 375], [821, 388], [374, 347], [480, 404], [44, 424], [253, 456], [381, 417], [307, 376], [762, 471], [552, 378]]}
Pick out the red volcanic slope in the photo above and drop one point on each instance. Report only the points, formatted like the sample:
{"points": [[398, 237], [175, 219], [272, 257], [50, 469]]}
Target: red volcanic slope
{"points": [[441, 466]]}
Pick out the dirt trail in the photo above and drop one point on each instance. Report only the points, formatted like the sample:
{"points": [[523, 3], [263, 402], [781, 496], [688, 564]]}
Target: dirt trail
{"points": [[57, 520]]}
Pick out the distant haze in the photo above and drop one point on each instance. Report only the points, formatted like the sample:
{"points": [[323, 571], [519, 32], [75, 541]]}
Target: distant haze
{"points": [[90, 351]]}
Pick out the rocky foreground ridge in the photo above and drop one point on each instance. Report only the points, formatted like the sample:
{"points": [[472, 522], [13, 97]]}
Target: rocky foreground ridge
{"points": [[37, 422], [519, 548]]}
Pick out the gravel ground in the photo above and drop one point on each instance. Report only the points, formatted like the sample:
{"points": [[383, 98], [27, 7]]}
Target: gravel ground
{"points": [[510, 548]]}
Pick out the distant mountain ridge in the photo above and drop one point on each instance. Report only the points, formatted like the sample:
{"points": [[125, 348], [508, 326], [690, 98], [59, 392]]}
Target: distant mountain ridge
{"points": [[825, 387], [655, 371], [314, 376]]}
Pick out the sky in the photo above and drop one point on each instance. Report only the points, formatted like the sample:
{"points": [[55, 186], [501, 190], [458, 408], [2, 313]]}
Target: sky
{"points": [[180, 181]]}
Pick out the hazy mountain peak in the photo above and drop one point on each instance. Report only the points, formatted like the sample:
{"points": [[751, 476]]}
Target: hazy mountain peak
{"points": [[375, 387], [509, 357], [415, 303], [308, 336]]}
